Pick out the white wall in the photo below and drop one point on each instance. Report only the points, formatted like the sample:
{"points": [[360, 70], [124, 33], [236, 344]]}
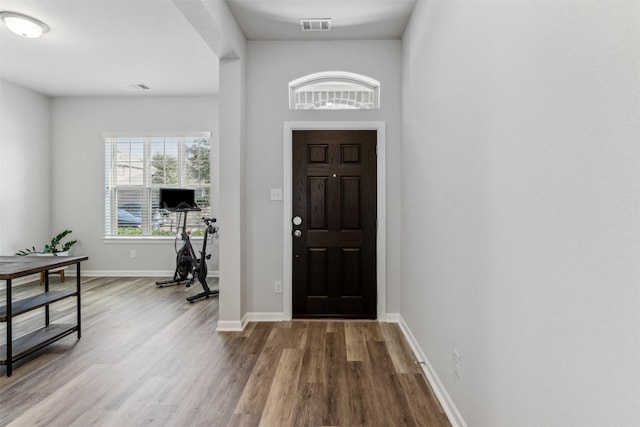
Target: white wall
{"points": [[218, 28], [232, 191], [78, 171], [270, 68], [520, 208], [25, 170]]}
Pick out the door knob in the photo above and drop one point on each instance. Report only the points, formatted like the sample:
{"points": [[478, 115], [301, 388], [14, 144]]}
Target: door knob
{"points": [[297, 233]]}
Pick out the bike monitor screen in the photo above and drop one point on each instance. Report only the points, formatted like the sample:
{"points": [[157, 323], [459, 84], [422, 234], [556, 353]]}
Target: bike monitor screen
{"points": [[177, 198]]}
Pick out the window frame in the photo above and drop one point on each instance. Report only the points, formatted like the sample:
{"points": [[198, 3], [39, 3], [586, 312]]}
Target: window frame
{"points": [[111, 186], [334, 77]]}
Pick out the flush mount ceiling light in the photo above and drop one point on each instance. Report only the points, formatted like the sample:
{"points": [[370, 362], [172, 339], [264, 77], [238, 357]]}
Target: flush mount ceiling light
{"points": [[24, 25]]}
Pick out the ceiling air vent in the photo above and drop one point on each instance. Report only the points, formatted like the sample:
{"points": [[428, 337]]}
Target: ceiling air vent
{"points": [[134, 86], [317, 24]]}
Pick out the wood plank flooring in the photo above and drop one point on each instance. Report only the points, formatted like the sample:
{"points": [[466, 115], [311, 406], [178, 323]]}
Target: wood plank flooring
{"points": [[149, 357]]}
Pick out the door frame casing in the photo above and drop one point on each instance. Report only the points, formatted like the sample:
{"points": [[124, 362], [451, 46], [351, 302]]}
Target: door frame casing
{"points": [[381, 198]]}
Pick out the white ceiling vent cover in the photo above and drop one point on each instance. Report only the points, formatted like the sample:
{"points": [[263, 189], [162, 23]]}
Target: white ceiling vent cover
{"points": [[317, 24], [134, 86]]}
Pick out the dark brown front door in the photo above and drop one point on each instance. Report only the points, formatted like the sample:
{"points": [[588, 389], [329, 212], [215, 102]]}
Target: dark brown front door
{"points": [[334, 246]]}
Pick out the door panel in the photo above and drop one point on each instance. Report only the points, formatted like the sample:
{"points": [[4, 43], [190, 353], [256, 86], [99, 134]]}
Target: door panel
{"points": [[334, 192], [351, 263], [317, 278], [317, 194], [350, 203]]}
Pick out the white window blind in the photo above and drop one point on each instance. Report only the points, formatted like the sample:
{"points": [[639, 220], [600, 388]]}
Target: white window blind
{"points": [[135, 170]]}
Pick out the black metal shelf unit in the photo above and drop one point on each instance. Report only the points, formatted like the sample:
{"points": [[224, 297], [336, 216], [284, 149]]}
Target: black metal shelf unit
{"points": [[17, 348]]}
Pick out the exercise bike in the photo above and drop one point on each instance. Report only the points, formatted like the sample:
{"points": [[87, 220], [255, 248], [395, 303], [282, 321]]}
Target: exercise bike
{"points": [[187, 261]]}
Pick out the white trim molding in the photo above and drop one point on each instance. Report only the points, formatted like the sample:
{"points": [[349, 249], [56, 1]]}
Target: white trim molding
{"points": [[130, 273], [391, 318], [263, 317], [230, 326], [441, 393], [381, 239]]}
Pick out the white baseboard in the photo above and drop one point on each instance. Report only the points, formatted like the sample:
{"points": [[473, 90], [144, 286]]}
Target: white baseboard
{"points": [[229, 326], [71, 272], [130, 273], [244, 321], [264, 317], [391, 318], [232, 325], [441, 393]]}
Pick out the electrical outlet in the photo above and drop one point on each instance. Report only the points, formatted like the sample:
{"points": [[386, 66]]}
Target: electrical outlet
{"points": [[133, 253], [276, 194], [457, 364], [277, 287]]}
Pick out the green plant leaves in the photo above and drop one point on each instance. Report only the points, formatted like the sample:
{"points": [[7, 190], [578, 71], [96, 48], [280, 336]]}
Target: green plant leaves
{"points": [[52, 247]]}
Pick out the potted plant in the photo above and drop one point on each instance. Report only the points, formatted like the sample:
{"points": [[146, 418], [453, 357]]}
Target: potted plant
{"points": [[54, 248]]}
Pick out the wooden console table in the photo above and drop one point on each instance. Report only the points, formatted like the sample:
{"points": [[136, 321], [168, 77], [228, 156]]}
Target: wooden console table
{"points": [[12, 267]]}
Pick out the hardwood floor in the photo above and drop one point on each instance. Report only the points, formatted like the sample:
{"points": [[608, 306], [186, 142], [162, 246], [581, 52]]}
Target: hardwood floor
{"points": [[147, 356]]}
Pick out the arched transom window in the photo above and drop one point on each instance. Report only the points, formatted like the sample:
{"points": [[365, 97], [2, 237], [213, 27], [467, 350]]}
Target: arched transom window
{"points": [[334, 90]]}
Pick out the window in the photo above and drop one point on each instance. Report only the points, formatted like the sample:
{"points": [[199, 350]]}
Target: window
{"points": [[334, 90], [137, 167]]}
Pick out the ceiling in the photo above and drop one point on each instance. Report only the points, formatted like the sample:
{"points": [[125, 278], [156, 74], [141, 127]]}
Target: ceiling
{"points": [[105, 47], [350, 19]]}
